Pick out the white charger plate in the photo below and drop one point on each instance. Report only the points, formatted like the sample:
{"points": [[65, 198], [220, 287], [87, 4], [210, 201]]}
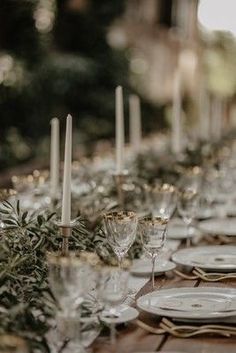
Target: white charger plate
{"points": [[143, 267], [190, 303], [212, 257], [219, 226]]}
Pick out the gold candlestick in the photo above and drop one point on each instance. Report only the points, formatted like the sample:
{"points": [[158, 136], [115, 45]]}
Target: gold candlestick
{"points": [[66, 231]]}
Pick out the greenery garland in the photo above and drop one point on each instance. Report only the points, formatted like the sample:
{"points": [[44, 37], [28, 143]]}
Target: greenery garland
{"points": [[26, 302]]}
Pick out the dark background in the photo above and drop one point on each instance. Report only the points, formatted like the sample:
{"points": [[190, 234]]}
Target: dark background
{"points": [[68, 68]]}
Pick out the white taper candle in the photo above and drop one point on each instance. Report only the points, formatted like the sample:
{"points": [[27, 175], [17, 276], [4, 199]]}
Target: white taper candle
{"points": [[176, 138], [54, 159], [120, 135], [66, 196], [135, 123]]}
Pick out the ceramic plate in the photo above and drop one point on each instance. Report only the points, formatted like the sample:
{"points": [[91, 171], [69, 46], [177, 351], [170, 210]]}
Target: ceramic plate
{"points": [[190, 303], [126, 314], [213, 258], [219, 226], [143, 267]]}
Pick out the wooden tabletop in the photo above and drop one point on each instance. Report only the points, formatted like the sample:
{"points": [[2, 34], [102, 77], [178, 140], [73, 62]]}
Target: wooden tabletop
{"points": [[131, 339]]}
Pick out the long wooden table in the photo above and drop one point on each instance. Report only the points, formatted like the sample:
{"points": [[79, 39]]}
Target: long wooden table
{"points": [[131, 339]]}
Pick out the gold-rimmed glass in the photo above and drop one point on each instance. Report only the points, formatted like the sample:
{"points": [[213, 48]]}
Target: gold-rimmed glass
{"points": [[68, 280], [112, 290], [10, 343], [153, 235], [163, 199], [188, 202], [121, 230]]}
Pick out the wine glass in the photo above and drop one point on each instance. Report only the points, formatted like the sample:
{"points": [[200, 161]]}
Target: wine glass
{"points": [[191, 179], [113, 289], [121, 229], [187, 207], [68, 280], [153, 235], [10, 343], [163, 200]]}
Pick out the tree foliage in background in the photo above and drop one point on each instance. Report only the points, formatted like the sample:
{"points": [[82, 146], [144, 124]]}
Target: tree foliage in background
{"points": [[69, 68]]}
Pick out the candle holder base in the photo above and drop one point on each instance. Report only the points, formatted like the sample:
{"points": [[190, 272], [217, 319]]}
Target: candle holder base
{"points": [[120, 179], [66, 230]]}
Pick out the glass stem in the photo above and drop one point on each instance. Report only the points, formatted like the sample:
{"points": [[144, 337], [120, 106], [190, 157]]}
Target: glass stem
{"points": [[113, 334], [153, 271], [188, 239], [119, 261]]}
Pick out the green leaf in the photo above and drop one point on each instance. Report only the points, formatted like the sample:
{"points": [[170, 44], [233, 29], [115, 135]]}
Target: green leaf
{"points": [[18, 207], [25, 214]]}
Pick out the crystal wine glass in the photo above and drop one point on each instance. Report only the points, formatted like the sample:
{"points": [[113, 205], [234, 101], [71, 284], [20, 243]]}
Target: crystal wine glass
{"points": [[68, 280], [187, 207], [153, 235], [113, 289], [163, 200], [121, 229]]}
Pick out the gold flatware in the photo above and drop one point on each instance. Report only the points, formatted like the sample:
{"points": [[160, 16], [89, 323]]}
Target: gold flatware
{"points": [[184, 275], [213, 277], [186, 331]]}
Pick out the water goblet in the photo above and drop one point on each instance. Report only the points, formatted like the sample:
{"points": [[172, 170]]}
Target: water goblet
{"points": [[121, 229], [153, 235], [188, 207], [113, 289], [163, 199], [68, 280]]}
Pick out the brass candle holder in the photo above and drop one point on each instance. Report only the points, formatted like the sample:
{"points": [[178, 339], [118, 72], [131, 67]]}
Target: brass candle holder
{"points": [[120, 179], [66, 231]]}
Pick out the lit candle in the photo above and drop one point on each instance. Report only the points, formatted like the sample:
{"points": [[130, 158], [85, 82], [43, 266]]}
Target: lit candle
{"points": [[66, 196], [54, 158], [176, 138], [135, 123], [120, 138]]}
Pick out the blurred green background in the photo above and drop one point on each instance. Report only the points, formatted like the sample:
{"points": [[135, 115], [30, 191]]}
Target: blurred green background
{"points": [[55, 60]]}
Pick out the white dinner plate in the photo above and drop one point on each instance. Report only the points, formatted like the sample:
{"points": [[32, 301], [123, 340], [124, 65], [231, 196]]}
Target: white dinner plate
{"points": [[143, 267], [225, 226], [126, 314], [190, 303], [212, 257]]}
